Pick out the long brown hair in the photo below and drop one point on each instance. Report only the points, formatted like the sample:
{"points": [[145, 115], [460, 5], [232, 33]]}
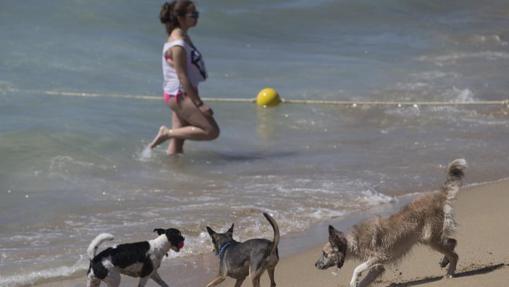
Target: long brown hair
{"points": [[170, 11]]}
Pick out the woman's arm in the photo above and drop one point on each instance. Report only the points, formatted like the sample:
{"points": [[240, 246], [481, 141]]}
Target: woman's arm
{"points": [[180, 64]]}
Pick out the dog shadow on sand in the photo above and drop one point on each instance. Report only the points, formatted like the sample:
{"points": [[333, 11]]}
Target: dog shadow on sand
{"points": [[471, 271]]}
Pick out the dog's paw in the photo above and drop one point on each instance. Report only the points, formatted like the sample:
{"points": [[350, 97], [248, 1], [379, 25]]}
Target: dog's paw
{"points": [[448, 276], [444, 262]]}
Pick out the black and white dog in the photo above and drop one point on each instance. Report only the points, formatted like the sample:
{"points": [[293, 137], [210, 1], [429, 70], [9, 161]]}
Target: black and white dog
{"points": [[140, 259]]}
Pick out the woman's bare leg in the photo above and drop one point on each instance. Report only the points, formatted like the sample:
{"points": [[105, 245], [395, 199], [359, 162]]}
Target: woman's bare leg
{"points": [[201, 127], [176, 146], [184, 133]]}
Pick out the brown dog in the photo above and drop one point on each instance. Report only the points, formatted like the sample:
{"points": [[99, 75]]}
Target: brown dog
{"points": [[428, 220]]}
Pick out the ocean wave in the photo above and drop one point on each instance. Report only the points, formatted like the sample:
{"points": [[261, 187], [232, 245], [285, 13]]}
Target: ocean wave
{"points": [[454, 58], [27, 279], [404, 112], [459, 95], [480, 40], [62, 165], [435, 75], [373, 197], [489, 39]]}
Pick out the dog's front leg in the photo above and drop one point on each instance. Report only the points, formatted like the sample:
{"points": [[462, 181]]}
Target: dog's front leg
{"points": [[113, 279], [216, 281], [143, 281], [239, 282], [93, 282], [358, 271], [373, 273], [155, 276]]}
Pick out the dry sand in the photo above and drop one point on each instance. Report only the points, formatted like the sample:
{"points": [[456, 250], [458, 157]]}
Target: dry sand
{"points": [[483, 246]]}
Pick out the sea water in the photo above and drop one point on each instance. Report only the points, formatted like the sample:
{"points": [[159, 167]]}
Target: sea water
{"points": [[73, 167]]}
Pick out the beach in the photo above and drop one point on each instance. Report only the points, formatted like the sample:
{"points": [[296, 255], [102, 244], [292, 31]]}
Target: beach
{"points": [[481, 212], [378, 97]]}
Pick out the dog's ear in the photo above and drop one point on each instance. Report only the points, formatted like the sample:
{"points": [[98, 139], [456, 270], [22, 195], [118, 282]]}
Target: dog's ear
{"points": [[332, 231], [210, 231], [339, 244], [231, 229], [160, 231], [336, 237]]}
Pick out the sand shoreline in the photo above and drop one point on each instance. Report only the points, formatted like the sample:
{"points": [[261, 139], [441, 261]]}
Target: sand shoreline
{"points": [[481, 211]]}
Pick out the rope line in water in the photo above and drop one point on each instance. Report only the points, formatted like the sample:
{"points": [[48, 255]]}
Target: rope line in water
{"points": [[397, 103], [286, 101]]}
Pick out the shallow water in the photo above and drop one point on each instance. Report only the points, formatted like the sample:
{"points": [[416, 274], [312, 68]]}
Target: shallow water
{"points": [[73, 167]]}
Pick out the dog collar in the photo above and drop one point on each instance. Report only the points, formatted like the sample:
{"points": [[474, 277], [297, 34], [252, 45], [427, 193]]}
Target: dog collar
{"points": [[223, 248]]}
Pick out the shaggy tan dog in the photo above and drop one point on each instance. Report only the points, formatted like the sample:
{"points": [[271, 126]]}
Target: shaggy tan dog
{"points": [[428, 220]]}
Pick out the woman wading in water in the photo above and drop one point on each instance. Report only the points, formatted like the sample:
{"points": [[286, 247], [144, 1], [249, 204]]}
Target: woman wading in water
{"points": [[183, 70]]}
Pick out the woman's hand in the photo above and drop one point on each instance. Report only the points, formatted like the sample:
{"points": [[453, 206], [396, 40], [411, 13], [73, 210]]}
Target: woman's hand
{"points": [[206, 110]]}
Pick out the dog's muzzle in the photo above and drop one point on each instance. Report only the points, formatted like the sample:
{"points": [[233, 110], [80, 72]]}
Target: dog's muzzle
{"points": [[318, 265], [326, 261]]}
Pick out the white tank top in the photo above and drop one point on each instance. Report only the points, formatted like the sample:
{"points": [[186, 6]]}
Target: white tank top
{"points": [[196, 70]]}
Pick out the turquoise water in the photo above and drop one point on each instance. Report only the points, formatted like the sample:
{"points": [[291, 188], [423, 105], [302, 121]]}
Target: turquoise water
{"points": [[72, 167]]}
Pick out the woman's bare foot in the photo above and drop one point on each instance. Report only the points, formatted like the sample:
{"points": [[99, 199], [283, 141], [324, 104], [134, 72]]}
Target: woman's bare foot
{"points": [[162, 136]]}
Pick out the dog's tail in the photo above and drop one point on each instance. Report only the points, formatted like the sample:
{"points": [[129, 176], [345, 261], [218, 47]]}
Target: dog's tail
{"points": [[455, 174], [275, 241], [92, 248]]}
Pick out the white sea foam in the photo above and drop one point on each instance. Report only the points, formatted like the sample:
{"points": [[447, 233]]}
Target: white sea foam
{"points": [[490, 39], [146, 154], [64, 165], [322, 213], [454, 58], [406, 112], [373, 197], [415, 86], [460, 95], [434, 75], [25, 279]]}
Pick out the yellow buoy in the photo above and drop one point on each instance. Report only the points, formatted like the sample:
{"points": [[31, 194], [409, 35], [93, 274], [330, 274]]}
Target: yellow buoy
{"points": [[268, 97]]}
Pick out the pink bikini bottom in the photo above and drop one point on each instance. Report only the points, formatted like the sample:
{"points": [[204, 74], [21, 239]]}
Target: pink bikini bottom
{"points": [[167, 96]]}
